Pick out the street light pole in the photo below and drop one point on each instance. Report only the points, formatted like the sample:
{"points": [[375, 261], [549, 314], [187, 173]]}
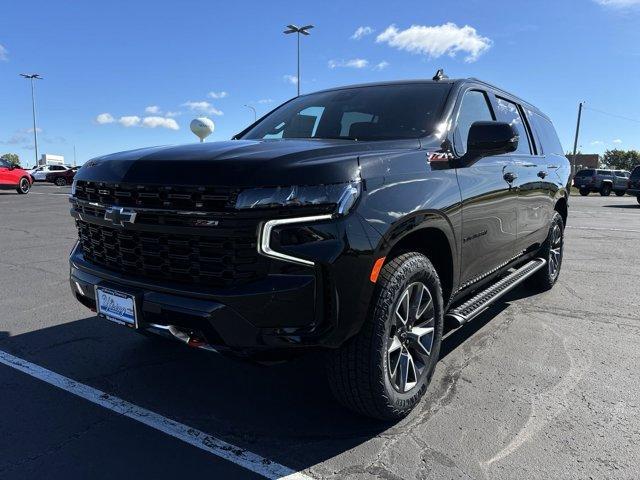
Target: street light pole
{"points": [[255, 116], [575, 141], [32, 77], [298, 31]]}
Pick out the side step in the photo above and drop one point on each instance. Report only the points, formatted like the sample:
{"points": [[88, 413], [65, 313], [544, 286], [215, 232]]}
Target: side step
{"points": [[481, 301]]}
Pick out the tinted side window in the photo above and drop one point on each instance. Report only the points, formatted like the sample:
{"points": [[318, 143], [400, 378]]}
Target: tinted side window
{"points": [[473, 108], [585, 173], [547, 134], [3, 163], [509, 112]]}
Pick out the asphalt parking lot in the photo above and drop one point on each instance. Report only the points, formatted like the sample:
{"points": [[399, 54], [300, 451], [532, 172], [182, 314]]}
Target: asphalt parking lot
{"points": [[540, 386]]}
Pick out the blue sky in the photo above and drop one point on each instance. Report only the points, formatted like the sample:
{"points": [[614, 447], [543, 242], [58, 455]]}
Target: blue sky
{"points": [[123, 58]]}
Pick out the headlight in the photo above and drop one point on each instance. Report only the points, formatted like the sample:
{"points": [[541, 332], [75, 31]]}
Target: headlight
{"points": [[341, 195], [73, 187]]}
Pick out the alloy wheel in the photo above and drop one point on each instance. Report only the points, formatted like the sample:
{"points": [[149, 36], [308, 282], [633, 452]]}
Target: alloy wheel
{"points": [[410, 337], [555, 250]]}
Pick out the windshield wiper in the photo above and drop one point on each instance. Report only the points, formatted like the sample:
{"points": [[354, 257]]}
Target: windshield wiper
{"points": [[337, 137]]}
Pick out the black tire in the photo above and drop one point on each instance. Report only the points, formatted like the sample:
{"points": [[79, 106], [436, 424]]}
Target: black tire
{"points": [[619, 193], [638, 198], [24, 185], [584, 192], [61, 181], [605, 190], [545, 278], [360, 370]]}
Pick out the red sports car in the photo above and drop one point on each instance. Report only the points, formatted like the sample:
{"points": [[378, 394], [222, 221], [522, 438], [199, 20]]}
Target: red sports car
{"points": [[12, 176]]}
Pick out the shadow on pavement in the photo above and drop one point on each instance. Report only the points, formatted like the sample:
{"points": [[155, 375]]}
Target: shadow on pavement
{"points": [[283, 412], [631, 205]]}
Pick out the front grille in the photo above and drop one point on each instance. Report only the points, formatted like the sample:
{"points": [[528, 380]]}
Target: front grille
{"points": [[219, 261], [204, 199]]}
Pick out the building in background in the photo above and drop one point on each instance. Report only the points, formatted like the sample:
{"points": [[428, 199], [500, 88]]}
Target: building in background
{"points": [[50, 159], [584, 160]]}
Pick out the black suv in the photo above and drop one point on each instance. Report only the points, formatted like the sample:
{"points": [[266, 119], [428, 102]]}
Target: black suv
{"points": [[633, 187], [357, 220]]}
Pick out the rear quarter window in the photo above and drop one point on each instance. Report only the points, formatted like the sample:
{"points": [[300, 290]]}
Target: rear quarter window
{"points": [[546, 134]]}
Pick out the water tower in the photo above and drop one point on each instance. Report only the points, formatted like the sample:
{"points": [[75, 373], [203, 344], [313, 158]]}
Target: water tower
{"points": [[202, 127]]}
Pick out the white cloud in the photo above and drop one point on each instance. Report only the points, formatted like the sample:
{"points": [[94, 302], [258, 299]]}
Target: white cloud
{"points": [[618, 3], [153, 122], [129, 121], [597, 142], [152, 109], [105, 118], [218, 95], [290, 79], [202, 107], [381, 66], [172, 114], [361, 32], [438, 40], [265, 100], [4, 54], [353, 63], [617, 141]]}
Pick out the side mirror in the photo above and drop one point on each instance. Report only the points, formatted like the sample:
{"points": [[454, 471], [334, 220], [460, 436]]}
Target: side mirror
{"points": [[489, 138], [12, 167]]}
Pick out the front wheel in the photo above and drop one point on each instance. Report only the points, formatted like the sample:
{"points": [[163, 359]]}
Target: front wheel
{"points": [[23, 186], [384, 370], [552, 250]]}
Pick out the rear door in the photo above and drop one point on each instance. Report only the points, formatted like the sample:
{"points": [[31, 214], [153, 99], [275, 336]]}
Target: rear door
{"points": [[534, 198], [489, 202]]}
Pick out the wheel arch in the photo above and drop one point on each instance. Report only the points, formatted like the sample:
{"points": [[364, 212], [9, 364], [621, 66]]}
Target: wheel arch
{"points": [[562, 208], [434, 237]]}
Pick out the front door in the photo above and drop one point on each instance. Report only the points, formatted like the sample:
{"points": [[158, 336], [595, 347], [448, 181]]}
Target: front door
{"points": [[489, 197]]}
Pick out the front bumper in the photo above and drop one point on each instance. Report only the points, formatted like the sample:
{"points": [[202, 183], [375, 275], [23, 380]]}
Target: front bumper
{"points": [[294, 307]]}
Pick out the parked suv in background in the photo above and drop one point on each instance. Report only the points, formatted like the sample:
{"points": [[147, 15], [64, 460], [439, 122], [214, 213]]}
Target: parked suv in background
{"points": [[62, 178], [356, 220], [39, 174], [634, 183], [601, 180], [14, 177]]}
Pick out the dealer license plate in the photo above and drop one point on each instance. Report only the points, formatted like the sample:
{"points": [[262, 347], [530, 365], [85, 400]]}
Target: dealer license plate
{"points": [[116, 306]]}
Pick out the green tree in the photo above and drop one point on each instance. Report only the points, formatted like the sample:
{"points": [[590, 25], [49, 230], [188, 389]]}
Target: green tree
{"points": [[12, 158], [621, 159]]}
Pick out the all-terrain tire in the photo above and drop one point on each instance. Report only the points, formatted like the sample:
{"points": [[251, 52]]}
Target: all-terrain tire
{"points": [[619, 193], [605, 190], [584, 192], [358, 371], [552, 251]]}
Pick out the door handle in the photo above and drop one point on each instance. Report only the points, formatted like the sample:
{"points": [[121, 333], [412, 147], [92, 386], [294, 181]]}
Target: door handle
{"points": [[542, 174], [509, 177]]}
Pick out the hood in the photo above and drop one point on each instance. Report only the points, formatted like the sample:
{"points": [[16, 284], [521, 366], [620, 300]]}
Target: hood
{"points": [[248, 163]]}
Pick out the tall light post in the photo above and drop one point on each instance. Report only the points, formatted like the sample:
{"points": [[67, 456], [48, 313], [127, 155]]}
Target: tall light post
{"points": [[32, 77], [298, 30], [255, 115]]}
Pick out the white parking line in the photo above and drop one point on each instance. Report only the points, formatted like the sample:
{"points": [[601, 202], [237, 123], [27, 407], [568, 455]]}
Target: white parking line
{"points": [[192, 436], [604, 229]]}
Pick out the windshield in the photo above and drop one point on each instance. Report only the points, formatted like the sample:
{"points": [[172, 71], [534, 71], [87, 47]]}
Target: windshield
{"points": [[360, 113]]}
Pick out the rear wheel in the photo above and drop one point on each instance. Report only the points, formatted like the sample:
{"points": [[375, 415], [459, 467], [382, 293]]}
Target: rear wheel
{"points": [[605, 190], [619, 193], [584, 192], [384, 370], [552, 251], [61, 181], [24, 186]]}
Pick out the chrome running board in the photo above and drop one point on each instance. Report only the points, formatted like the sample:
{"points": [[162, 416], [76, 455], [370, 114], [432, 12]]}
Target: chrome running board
{"points": [[481, 301]]}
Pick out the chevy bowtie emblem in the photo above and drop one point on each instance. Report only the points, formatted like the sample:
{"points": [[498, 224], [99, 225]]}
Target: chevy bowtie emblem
{"points": [[119, 215]]}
